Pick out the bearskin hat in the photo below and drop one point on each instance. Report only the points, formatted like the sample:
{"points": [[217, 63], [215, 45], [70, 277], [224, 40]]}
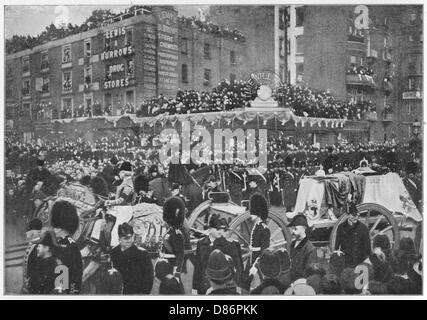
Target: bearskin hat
{"points": [[99, 186], [288, 162], [141, 184], [85, 181], [64, 216], [126, 166], [153, 168], [114, 160], [174, 212], [258, 206], [411, 167]]}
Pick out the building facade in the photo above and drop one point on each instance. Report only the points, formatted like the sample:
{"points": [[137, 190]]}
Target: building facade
{"points": [[364, 54], [120, 63]]}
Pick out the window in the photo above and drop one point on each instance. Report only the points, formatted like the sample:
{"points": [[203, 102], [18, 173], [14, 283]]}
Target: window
{"points": [[282, 18], [107, 44], [207, 77], [232, 78], [26, 109], [66, 54], [299, 16], [26, 64], [282, 50], [66, 81], [129, 36], [88, 100], [357, 95], [299, 45], [45, 84], [45, 61], [232, 57], [88, 75], [67, 107], [88, 48], [107, 101], [207, 51], [26, 87], [184, 73], [353, 59], [299, 68], [130, 68], [184, 46], [130, 97]]}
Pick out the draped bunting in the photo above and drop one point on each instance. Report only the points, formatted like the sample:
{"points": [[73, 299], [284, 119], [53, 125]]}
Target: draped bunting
{"points": [[215, 117]]}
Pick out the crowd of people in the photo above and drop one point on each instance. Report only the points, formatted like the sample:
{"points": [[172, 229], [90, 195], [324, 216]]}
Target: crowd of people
{"points": [[120, 171], [226, 96]]}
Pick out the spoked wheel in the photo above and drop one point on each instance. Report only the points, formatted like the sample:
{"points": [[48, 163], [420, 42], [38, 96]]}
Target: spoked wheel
{"points": [[241, 227], [378, 219], [198, 218]]}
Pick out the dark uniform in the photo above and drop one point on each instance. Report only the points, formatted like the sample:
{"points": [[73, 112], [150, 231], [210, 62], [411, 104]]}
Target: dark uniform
{"points": [[173, 248], [203, 250], [260, 240], [134, 264], [354, 241], [70, 256], [42, 279]]}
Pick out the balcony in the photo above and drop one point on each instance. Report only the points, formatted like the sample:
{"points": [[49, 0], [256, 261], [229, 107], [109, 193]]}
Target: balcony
{"points": [[44, 66], [356, 38], [360, 76], [412, 95]]}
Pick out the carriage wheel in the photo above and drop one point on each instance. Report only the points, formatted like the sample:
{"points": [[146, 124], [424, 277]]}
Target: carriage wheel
{"points": [[377, 218], [196, 221], [280, 236]]}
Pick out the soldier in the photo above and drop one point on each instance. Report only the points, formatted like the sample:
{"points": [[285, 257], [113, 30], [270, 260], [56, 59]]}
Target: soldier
{"points": [[124, 193], [174, 241], [303, 253], [42, 277], [133, 263], [275, 193], [288, 185], [260, 234], [65, 222], [353, 239], [215, 240]]}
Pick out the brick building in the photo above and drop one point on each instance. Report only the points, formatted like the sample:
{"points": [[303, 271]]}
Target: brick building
{"points": [[151, 53], [320, 46]]}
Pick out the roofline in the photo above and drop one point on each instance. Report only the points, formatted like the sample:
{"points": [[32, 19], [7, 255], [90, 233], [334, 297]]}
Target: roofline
{"points": [[81, 36]]}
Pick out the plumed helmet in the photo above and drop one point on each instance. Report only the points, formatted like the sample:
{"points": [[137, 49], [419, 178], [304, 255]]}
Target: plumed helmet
{"points": [[174, 212], [64, 216], [258, 206]]}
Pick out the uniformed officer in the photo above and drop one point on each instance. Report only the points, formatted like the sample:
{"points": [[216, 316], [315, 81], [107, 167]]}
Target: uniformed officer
{"points": [[125, 191], [260, 234], [65, 222], [42, 277], [174, 241], [134, 264], [217, 227]]}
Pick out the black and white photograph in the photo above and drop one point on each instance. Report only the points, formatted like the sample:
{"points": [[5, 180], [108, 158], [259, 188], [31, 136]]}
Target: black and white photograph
{"points": [[213, 149]]}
